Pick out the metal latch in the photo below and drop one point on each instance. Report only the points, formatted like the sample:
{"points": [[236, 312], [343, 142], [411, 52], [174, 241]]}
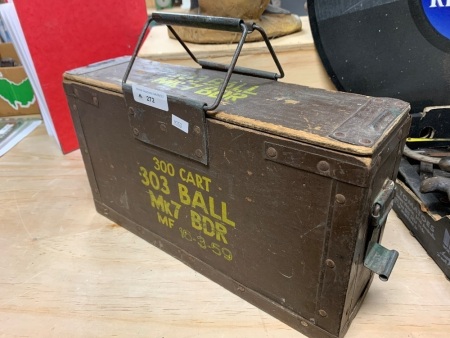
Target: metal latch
{"points": [[379, 259]]}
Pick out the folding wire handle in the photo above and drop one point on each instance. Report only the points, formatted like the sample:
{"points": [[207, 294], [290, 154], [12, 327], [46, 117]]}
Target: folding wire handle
{"points": [[216, 23]]}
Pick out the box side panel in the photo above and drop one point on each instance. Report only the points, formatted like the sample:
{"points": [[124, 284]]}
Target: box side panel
{"points": [[75, 105], [347, 233], [267, 224], [385, 167], [200, 207]]}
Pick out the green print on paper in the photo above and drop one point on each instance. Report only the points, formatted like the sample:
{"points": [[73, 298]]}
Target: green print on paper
{"points": [[17, 94]]}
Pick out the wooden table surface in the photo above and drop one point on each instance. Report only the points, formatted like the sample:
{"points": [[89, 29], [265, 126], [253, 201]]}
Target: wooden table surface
{"points": [[66, 271]]}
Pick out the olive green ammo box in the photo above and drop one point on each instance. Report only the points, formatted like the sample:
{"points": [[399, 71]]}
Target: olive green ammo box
{"points": [[279, 195]]}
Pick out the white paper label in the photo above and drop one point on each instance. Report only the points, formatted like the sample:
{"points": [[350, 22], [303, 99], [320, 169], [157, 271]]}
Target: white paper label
{"points": [[180, 124], [150, 97]]}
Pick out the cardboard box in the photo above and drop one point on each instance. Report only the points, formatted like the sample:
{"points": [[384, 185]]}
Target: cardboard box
{"points": [[16, 94], [430, 229], [150, 4]]}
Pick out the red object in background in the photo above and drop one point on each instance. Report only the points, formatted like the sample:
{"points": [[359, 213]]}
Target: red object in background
{"points": [[63, 35]]}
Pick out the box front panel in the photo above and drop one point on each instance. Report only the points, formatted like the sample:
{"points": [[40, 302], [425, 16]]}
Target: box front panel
{"points": [[264, 224]]}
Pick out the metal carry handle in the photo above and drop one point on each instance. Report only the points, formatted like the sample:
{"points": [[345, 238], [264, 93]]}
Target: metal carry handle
{"points": [[379, 259], [216, 23], [199, 21]]}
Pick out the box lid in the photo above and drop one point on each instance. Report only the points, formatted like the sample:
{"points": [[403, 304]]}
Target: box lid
{"points": [[346, 122]]}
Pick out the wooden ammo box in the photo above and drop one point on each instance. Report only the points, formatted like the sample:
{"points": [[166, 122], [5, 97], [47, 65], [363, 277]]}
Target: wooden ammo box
{"points": [[279, 194]]}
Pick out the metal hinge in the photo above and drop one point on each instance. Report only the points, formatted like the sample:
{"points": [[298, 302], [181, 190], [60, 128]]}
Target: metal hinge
{"points": [[379, 259]]}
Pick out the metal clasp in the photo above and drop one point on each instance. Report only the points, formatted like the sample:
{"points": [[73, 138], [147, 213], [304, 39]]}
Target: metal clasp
{"points": [[379, 259]]}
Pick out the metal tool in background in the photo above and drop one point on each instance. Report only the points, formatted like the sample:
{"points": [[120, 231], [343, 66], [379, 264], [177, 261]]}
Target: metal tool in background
{"points": [[428, 146]]}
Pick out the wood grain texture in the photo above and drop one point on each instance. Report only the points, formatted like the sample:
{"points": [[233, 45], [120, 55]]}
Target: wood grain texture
{"points": [[67, 271]]}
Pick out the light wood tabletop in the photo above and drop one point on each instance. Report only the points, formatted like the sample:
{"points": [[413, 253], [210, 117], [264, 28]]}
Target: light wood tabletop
{"points": [[66, 271]]}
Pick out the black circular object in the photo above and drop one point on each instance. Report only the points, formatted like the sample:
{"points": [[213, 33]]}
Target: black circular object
{"points": [[393, 48]]}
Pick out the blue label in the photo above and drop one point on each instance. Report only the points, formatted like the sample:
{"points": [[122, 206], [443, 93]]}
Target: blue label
{"points": [[438, 14]]}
